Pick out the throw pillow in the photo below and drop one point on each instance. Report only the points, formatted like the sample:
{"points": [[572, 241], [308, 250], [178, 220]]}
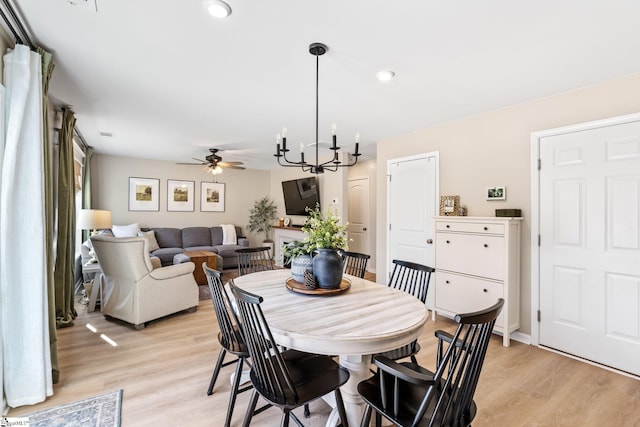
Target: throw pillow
{"points": [[130, 230], [150, 237]]}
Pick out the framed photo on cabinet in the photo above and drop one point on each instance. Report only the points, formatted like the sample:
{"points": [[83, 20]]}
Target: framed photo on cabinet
{"points": [[449, 205], [211, 197], [180, 195]]}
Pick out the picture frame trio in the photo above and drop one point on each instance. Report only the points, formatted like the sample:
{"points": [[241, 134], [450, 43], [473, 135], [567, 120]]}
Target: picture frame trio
{"points": [[144, 195]]}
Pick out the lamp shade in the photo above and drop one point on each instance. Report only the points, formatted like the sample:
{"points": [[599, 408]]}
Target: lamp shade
{"points": [[94, 219]]}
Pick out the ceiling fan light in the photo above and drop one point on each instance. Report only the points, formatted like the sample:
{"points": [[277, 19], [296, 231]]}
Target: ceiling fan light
{"points": [[217, 8]]}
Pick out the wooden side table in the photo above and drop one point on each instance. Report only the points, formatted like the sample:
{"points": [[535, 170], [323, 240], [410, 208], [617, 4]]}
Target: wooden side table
{"points": [[198, 257]]}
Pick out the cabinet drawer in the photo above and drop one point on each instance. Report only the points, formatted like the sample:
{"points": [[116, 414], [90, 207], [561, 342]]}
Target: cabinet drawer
{"points": [[470, 227], [472, 254], [460, 294]]}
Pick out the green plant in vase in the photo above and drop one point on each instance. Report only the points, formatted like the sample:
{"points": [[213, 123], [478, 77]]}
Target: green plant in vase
{"points": [[325, 237], [298, 256], [261, 218]]}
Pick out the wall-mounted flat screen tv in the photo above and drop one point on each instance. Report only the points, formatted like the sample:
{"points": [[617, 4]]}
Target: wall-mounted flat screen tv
{"points": [[300, 194]]}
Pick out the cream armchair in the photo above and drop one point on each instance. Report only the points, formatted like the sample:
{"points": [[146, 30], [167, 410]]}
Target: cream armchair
{"points": [[136, 292]]}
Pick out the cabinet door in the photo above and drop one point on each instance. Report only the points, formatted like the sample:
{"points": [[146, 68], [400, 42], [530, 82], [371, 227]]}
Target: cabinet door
{"points": [[473, 254], [460, 294]]}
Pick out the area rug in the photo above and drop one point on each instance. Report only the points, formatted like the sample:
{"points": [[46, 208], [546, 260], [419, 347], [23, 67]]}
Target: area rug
{"points": [[98, 411]]}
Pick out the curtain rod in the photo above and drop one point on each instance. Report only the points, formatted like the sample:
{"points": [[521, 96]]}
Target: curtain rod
{"points": [[14, 24]]}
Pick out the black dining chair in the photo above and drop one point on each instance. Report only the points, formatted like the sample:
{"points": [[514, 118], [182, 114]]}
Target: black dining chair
{"points": [[355, 263], [412, 278], [287, 379], [409, 395], [230, 338], [252, 260]]}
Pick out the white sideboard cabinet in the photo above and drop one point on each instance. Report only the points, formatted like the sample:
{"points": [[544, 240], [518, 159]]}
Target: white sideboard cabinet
{"points": [[477, 262]]}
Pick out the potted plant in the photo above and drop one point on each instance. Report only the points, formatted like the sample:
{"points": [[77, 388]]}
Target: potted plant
{"points": [[261, 218], [298, 256], [325, 237]]}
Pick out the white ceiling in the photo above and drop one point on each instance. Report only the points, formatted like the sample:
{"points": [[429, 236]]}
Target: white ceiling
{"points": [[169, 81]]}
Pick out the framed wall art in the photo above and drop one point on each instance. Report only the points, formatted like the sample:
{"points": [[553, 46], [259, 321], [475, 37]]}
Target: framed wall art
{"points": [[211, 197], [180, 195], [449, 205], [144, 194], [496, 193]]}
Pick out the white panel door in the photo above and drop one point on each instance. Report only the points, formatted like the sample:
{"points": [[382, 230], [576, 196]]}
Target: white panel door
{"points": [[358, 212], [412, 193], [590, 244]]}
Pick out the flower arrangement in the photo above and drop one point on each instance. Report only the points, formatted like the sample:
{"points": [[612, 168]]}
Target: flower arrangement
{"points": [[324, 231]]}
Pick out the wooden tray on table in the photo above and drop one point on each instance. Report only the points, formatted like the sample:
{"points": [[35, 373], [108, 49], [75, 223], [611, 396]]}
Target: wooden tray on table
{"points": [[300, 288]]}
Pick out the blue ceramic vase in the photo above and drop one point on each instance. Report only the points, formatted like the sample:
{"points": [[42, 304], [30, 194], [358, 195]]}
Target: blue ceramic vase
{"points": [[327, 268], [299, 264]]}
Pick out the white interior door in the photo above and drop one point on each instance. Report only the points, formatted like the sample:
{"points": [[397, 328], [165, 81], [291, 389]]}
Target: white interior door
{"points": [[590, 244], [412, 194], [358, 215]]}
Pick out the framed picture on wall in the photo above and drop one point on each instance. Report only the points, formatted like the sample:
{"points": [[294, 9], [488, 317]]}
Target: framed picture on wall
{"points": [[180, 195], [144, 194], [211, 197], [496, 193]]}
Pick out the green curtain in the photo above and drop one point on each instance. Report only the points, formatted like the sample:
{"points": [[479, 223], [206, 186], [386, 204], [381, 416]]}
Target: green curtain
{"points": [[65, 246], [47, 71], [86, 185]]}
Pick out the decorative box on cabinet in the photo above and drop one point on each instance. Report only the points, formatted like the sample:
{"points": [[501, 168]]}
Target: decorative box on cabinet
{"points": [[477, 262]]}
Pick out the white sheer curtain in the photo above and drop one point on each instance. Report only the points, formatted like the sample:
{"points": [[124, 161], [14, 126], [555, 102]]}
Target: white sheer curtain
{"points": [[23, 294]]}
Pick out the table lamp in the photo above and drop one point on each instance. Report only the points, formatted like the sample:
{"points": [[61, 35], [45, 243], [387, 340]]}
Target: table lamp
{"points": [[94, 219]]}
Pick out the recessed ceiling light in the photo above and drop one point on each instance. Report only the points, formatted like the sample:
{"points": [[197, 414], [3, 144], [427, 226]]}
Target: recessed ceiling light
{"points": [[217, 8], [385, 75]]}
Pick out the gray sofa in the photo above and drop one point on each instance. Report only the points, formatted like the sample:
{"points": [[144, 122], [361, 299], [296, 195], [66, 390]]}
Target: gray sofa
{"points": [[173, 241]]}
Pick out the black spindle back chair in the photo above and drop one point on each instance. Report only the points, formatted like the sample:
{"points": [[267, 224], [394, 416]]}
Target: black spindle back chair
{"points": [[252, 260], [355, 263], [410, 395], [229, 337], [412, 278], [287, 379]]}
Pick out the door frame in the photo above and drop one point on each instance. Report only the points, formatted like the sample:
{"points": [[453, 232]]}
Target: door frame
{"points": [[435, 154], [536, 137]]}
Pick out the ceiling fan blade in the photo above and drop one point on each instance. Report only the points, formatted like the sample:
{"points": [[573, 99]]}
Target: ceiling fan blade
{"points": [[228, 164], [204, 162], [240, 168], [192, 164]]}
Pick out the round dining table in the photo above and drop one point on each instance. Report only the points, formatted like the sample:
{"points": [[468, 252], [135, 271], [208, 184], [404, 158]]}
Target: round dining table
{"points": [[365, 319]]}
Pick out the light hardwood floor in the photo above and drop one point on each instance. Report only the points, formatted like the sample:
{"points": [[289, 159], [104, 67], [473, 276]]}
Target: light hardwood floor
{"points": [[164, 371]]}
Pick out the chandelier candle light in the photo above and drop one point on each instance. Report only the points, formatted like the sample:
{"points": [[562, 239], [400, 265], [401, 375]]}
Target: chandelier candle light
{"points": [[316, 49]]}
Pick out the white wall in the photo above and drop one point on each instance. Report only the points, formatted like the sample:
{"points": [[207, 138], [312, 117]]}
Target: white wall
{"points": [[110, 187], [494, 149]]}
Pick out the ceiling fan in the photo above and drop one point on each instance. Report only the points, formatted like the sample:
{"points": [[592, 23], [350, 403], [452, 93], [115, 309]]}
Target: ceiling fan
{"points": [[213, 163]]}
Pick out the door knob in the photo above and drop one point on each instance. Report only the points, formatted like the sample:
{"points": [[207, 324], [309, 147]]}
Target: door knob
{"points": [[429, 241], [364, 228]]}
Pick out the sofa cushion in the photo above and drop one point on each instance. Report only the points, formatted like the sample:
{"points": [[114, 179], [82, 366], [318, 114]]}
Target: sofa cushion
{"points": [[166, 254], [202, 248], [150, 236], [168, 237], [196, 236], [130, 230]]}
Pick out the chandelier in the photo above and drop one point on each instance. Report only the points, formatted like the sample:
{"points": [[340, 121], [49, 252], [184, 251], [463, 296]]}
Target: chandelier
{"points": [[334, 163]]}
